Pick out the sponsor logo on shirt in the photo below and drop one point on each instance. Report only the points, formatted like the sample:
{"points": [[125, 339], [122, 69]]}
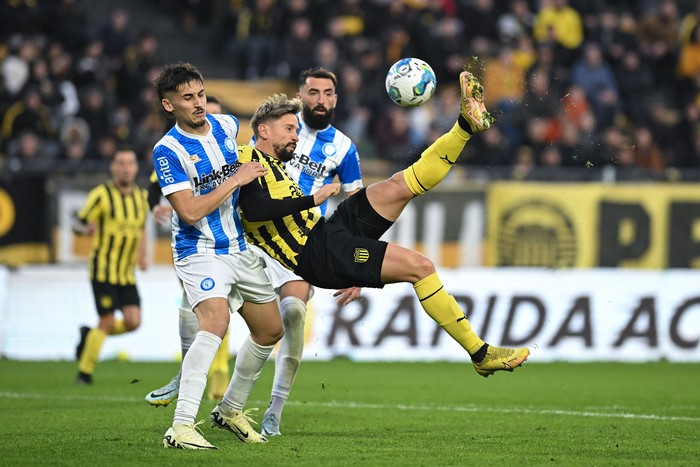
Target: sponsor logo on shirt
{"points": [[307, 166], [164, 171], [214, 178]]}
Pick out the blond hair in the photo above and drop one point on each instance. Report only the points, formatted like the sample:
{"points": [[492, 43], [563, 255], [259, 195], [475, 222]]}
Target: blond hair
{"points": [[273, 108]]}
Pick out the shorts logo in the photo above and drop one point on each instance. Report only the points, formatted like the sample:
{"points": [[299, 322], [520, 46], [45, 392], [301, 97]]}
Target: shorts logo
{"points": [[207, 284], [361, 255], [230, 144], [106, 301], [329, 149]]}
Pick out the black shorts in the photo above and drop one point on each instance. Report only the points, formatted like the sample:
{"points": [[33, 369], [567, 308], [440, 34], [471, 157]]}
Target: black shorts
{"points": [[344, 251], [110, 297]]}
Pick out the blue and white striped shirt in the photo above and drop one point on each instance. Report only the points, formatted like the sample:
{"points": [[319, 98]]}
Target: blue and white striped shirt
{"points": [[320, 156], [184, 161]]}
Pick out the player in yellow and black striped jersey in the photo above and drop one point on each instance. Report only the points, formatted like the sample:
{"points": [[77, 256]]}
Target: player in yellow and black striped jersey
{"points": [[290, 231], [115, 213], [345, 250]]}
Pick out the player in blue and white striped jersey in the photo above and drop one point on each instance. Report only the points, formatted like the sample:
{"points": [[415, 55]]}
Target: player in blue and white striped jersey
{"points": [[322, 153], [197, 167]]}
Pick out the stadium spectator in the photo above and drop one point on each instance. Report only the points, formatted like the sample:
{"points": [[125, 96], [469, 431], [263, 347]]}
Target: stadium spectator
{"points": [[28, 114], [559, 23], [597, 80], [30, 152]]}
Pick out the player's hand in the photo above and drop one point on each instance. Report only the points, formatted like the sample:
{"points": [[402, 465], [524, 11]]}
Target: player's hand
{"points": [[325, 192], [248, 172], [162, 214], [143, 263], [348, 295]]}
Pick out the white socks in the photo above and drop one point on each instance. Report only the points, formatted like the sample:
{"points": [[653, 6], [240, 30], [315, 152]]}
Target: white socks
{"points": [[189, 325], [195, 367], [293, 311], [249, 363]]}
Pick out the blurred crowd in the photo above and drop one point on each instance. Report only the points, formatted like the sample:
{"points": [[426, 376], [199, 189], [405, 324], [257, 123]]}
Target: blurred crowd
{"points": [[587, 84]]}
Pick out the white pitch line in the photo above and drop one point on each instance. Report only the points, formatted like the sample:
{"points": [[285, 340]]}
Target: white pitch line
{"points": [[362, 405]]}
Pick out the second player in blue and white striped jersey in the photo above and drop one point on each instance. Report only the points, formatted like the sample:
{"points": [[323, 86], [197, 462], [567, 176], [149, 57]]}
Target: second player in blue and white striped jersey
{"points": [[201, 163], [321, 154]]}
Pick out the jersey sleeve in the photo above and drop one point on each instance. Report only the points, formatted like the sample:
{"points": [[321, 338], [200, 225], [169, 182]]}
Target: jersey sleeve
{"points": [[169, 170], [348, 170], [92, 209]]}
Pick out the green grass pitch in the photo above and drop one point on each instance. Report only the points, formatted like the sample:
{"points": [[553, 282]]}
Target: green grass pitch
{"points": [[349, 413]]}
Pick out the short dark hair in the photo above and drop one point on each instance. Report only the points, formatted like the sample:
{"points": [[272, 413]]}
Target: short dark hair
{"points": [[213, 100], [123, 148], [317, 72], [175, 75]]}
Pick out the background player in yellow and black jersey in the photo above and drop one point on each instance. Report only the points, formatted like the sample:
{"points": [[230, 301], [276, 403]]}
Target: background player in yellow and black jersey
{"points": [[115, 215]]}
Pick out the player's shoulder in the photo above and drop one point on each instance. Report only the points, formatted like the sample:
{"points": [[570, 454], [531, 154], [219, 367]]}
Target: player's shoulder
{"points": [[245, 152], [226, 120]]}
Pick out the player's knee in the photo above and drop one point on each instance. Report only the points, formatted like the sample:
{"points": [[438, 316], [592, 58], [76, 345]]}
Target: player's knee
{"points": [[401, 190], [421, 266], [270, 336], [293, 311], [132, 324]]}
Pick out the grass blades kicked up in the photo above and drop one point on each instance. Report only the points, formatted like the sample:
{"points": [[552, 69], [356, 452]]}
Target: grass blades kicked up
{"points": [[348, 413]]}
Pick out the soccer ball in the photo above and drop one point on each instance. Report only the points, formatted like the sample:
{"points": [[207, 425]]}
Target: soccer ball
{"points": [[410, 82]]}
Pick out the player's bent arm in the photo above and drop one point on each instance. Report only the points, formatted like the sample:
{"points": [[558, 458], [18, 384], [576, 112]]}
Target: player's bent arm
{"points": [[325, 192], [257, 206], [191, 209]]}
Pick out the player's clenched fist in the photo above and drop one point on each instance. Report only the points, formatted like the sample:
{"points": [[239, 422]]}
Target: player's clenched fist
{"points": [[325, 192]]}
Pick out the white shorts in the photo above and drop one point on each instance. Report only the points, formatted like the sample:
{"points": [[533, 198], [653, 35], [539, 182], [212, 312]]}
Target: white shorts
{"points": [[278, 274], [237, 278]]}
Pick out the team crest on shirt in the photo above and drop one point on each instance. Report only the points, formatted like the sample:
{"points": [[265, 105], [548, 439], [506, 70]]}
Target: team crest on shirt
{"points": [[329, 149], [361, 255], [207, 284], [106, 301], [194, 158], [230, 144]]}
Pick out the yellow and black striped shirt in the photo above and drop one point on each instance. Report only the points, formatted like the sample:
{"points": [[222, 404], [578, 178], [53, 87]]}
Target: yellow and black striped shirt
{"points": [[281, 236], [120, 220]]}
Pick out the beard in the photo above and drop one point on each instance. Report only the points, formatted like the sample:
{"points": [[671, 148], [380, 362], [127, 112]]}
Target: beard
{"points": [[317, 122], [285, 153]]}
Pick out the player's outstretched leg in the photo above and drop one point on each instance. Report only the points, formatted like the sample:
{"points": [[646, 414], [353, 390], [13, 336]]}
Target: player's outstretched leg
{"points": [[436, 161], [445, 311], [500, 359]]}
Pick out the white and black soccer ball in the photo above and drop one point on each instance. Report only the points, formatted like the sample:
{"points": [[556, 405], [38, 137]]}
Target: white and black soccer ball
{"points": [[410, 82]]}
